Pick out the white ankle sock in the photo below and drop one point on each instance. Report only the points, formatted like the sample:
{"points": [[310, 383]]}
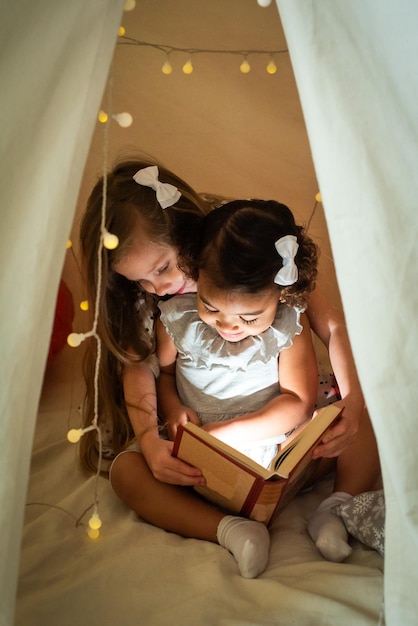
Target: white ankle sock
{"points": [[328, 530], [248, 541]]}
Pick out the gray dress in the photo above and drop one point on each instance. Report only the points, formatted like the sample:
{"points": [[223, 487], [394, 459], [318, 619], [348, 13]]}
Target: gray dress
{"points": [[220, 379]]}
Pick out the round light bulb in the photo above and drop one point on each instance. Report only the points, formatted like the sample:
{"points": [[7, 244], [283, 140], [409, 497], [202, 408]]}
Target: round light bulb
{"points": [[245, 67], [271, 67], [167, 68], [188, 67], [102, 117], [123, 119], [84, 305], [69, 244], [318, 197], [110, 241], [95, 522], [75, 339], [74, 435], [129, 5], [121, 31], [264, 3], [93, 533]]}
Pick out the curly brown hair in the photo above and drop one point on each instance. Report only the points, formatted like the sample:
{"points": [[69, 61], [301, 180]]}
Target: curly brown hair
{"points": [[236, 247]]}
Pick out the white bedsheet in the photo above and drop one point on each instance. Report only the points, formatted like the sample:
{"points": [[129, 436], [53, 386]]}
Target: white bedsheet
{"points": [[137, 574]]}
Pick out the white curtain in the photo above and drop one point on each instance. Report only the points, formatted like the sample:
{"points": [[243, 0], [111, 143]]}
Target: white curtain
{"points": [[54, 61], [355, 67]]}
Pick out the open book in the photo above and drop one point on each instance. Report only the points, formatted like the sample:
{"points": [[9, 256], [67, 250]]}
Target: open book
{"points": [[240, 485]]}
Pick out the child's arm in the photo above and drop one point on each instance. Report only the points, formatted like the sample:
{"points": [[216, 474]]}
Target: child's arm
{"points": [[328, 324], [298, 379], [169, 403], [141, 404]]}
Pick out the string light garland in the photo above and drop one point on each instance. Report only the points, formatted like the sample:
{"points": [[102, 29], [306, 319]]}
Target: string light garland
{"points": [[107, 241], [188, 68]]}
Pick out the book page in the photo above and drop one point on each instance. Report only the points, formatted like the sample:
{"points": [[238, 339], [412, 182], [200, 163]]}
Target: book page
{"points": [[200, 435], [289, 456]]}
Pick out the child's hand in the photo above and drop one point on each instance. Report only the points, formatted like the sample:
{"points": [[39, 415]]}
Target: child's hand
{"points": [[337, 438], [165, 467], [181, 415]]}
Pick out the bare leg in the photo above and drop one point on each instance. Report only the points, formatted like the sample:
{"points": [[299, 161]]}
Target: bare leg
{"points": [[358, 467], [176, 509], [180, 510]]}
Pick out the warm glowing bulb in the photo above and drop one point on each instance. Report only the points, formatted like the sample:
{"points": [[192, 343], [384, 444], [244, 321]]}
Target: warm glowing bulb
{"points": [[188, 67], [264, 3], [93, 533], [245, 67], [84, 305], [75, 339], [318, 197], [129, 5], [121, 31], [69, 244], [123, 119], [167, 68], [74, 435], [271, 67], [102, 117], [110, 241], [95, 522]]}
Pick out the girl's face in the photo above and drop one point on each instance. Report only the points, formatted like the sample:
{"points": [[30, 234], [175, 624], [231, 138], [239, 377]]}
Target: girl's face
{"points": [[235, 315], [154, 267]]}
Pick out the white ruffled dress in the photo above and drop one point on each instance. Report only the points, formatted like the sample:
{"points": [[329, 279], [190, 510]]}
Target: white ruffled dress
{"points": [[220, 379]]}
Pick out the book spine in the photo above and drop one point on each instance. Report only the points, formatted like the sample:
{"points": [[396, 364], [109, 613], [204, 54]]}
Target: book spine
{"points": [[262, 507], [252, 497], [177, 441]]}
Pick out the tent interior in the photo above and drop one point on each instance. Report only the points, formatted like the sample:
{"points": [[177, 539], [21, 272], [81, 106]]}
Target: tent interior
{"points": [[337, 117]]}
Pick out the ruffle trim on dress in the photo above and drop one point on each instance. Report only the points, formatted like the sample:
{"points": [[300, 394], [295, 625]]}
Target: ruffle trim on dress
{"points": [[203, 346]]}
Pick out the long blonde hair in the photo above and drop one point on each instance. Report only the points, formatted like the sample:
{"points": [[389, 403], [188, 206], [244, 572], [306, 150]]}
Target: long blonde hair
{"points": [[123, 305]]}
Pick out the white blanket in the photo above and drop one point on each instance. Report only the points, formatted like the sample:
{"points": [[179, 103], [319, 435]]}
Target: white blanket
{"points": [[136, 574]]}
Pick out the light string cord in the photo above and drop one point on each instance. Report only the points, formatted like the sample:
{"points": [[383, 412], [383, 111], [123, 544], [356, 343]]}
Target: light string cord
{"points": [[131, 41], [311, 216], [100, 251], [106, 240], [78, 520]]}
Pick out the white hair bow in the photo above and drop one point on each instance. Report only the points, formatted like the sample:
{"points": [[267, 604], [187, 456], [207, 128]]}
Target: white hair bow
{"points": [[287, 247], [167, 194]]}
